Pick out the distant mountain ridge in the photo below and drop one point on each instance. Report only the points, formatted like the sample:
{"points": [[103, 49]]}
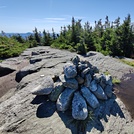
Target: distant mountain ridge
{"points": [[24, 35]]}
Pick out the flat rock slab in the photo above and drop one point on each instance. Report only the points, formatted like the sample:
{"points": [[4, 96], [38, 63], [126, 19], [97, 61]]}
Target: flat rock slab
{"points": [[24, 113]]}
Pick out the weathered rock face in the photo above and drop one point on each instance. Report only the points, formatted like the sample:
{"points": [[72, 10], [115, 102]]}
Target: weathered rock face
{"points": [[90, 97], [22, 112], [64, 100], [79, 107], [99, 93], [70, 83], [70, 70], [58, 88], [108, 91], [45, 87], [6, 69]]}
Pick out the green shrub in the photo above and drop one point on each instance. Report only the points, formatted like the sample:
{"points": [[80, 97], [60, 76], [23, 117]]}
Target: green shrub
{"points": [[116, 81], [9, 47], [81, 48]]}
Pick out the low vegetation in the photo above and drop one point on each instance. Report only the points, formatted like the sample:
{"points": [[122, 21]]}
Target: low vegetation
{"points": [[81, 125], [116, 81], [110, 38], [10, 47], [130, 63]]}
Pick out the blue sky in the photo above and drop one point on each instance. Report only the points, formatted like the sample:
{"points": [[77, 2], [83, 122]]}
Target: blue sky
{"points": [[24, 15]]}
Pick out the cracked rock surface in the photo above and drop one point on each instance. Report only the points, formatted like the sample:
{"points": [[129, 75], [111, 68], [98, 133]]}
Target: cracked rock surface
{"points": [[22, 112]]}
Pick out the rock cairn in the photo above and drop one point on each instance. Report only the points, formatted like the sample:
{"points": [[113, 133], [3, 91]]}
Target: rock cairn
{"points": [[80, 87]]}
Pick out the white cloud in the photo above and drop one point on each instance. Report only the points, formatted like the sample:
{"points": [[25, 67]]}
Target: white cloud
{"points": [[55, 19], [75, 17], [51, 20]]}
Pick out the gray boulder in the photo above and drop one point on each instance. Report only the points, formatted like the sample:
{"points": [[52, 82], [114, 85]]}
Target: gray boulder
{"points": [[108, 91], [64, 100], [35, 53], [88, 80], [45, 87], [89, 97], [76, 60], [58, 88], [85, 71], [99, 93], [79, 107], [109, 80], [82, 66], [93, 86], [103, 81], [79, 79], [95, 69], [70, 70], [97, 77], [70, 83]]}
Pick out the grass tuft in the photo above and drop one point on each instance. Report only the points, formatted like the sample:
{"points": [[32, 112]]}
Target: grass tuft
{"points": [[81, 125], [116, 81], [130, 63]]}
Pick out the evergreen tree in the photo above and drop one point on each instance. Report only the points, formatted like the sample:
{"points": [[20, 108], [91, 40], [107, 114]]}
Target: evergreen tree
{"points": [[127, 37], [37, 36]]}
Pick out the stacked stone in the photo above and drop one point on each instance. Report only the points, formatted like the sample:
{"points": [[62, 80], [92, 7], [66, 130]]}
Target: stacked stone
{"points": [[79, 87]]}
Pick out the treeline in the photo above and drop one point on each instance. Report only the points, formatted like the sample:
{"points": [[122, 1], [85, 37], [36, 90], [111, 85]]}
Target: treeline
{"points": [[110, 38]]}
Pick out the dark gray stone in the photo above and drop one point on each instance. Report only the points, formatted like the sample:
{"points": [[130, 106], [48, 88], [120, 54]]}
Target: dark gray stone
{"points": [[99, 93], [79, 107], [88, 80], [103, 81], [45, 87], [76, 60], [58, 88], [95, 69], [35, 59], [70, 70], [97, 77], [35, 53], [82, 66], [109, 80], [85, 71], [89, 97], [108, 91], [79, 79], [93, 86], [70, 83], [64, 100]]}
